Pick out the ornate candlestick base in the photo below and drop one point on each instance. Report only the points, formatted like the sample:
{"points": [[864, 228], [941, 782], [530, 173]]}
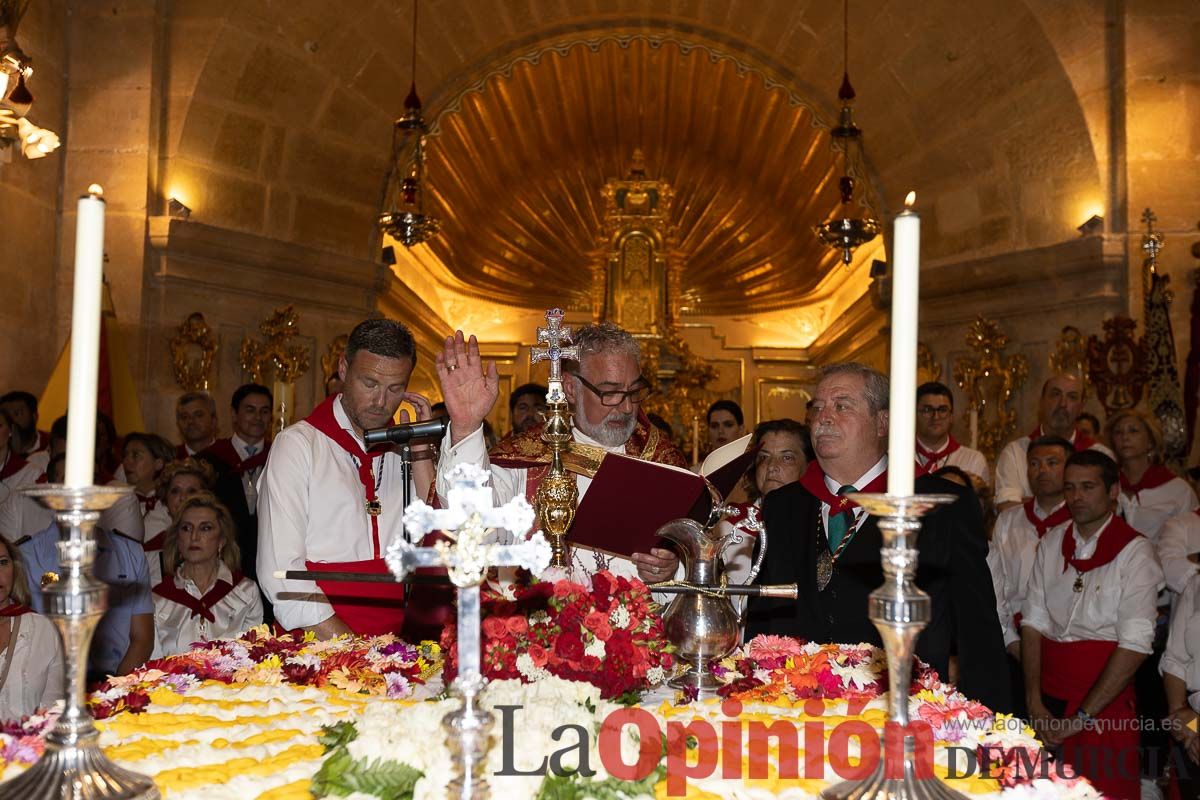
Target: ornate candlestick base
{"points": [[468, 732], [900, 611], [72, 767]]}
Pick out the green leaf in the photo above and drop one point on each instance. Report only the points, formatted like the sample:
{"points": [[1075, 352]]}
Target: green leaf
{"points": [[341, 775], [338, 734], [573, 787]]}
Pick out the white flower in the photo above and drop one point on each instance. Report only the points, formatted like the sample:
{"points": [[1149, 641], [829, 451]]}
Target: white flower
{"points": [[529, 670], [594, 648], [619, 617], [655, 676]]}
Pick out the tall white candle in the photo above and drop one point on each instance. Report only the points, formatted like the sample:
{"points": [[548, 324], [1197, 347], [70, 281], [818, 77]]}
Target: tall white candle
{"points": [[85, 338], [695, 440], [906, 259], [974, 429]]}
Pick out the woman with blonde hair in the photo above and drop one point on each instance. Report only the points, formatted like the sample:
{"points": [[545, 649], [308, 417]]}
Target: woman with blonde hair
{"points": [[204, 596], [178, 481], [31, 668], [1150, 493]]}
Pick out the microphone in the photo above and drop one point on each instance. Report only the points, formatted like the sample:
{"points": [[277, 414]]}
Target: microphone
{"points": [[407, 432]]}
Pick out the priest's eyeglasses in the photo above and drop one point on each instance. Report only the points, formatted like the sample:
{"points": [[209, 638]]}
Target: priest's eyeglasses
{"points": [[614, 397], [934, 411]]}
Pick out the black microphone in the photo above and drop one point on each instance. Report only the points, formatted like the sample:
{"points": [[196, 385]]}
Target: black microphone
{"points": [[406, 432]]}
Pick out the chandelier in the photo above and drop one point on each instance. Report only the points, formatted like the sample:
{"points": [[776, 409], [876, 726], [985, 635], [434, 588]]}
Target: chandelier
{"points": [[847, 232], [15, 98], [405, 218]]}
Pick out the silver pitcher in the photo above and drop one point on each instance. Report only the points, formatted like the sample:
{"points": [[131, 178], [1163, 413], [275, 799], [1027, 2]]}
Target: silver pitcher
{"points": [[703, 625]]}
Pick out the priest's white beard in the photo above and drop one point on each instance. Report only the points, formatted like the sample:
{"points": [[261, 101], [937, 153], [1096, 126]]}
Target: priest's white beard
{"points": [[613, 431]]}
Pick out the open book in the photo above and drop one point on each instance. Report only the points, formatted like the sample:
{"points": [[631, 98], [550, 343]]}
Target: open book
{"points": [[630, 499]]}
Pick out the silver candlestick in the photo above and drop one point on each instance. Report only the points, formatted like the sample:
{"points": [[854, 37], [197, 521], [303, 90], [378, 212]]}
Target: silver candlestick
{"points": [[900, 611], [73, 767]]}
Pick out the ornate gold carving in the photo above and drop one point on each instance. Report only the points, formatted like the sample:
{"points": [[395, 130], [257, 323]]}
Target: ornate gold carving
{"points": [[276, 356], [1164, 395], [1070, 356], [1117, 365], [989, 379], [680, 378], [557, 495], [193, 349], [332, 357], [928, 369]]}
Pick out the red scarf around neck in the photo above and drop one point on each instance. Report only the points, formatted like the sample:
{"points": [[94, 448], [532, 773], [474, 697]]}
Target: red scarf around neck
{"points": [[200, 606], [1080, 442], [15, 610], [813, 479], [1058, 517], [322, 418], [1112, 541], [224, 450], [932, 457], [148, 502], [12, 465], [1153, 477]]}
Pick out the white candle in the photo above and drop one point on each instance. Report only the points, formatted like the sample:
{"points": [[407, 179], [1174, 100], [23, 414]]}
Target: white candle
{"points": [[85, 339], [695, 440], [974, 428], [906, 259]]}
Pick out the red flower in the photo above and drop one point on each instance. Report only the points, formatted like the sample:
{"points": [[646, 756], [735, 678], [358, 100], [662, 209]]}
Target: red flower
{"points": [[137, 701], [601, 585], [494, 627], [539, 655], [569, 646], [603, 631], [516, 625], [595, 619]]}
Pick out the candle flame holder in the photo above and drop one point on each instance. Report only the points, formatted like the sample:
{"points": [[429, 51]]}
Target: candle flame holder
{"points": [[72, 766], [900, 611]]}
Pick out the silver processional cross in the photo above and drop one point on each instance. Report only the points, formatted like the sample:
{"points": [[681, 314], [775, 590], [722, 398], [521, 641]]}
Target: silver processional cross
{"points": [[470, 521], [554, 336]]}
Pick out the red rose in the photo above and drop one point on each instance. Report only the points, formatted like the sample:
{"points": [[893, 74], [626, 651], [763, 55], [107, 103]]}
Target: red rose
{"points": [[539, 655], [601, 585], [517, 625], [603, 631], [569, 646], [564, 589], [594, 619], [494, 628], [591, 663], [137, 701]]}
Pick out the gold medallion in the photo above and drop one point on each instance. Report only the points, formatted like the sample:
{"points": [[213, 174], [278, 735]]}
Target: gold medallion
{"points": [[1078, 587], [374, 508]]}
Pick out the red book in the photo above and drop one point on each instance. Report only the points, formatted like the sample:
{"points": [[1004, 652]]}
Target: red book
{"points": [[630, 499]]}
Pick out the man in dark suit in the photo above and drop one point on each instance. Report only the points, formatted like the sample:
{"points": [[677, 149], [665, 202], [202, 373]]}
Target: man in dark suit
{"points": [[831, 547]]}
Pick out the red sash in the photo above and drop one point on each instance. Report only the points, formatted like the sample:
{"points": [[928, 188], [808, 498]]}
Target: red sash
{"points": [[1078, 440], [12, 465], [223, 450], [148, 502], [1113, 539], [200, 606], [367, 608], [1153, 477], [1107, 754], [370, 609], [1060, 515], [813, 479], [932, 457], [15, 610]]}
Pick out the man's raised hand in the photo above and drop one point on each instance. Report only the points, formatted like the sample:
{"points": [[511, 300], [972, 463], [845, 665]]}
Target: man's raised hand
{"points": [[469, 389]]}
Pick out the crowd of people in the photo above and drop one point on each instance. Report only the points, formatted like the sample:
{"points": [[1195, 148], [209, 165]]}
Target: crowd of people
{"points": [[1063, 580]]}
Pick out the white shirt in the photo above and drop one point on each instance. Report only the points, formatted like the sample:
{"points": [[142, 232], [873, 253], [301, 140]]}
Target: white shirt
{"points": [[860, 513], [1148, 510], [1118, 601], [1010, 558], [1012, 470], [176, 627], [1182, 656], [250, 476], [22, 516], [1179, 538], [312, 506], [35, 676], [25, 476], [509, 483], [965, 458]]}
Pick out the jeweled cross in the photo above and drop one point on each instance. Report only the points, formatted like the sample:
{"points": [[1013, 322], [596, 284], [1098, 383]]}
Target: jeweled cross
{"points": [[554, 336], [469, 521]]}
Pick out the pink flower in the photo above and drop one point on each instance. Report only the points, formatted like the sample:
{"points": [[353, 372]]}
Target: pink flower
{"points": [[765, 646]]}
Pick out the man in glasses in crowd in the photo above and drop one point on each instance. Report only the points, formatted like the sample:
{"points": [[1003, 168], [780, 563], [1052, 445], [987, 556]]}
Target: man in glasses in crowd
{"points": [[936, 445], [605, 389]]}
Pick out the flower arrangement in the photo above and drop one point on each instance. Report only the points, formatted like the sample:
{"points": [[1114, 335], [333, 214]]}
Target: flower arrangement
{"points": [[379, 665], [771, 668], [609, 635], [23, 741]]}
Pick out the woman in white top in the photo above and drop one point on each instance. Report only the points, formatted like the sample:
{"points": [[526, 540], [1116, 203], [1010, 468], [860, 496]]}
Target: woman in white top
{"points": [[178, 481], [204, 596], [1150, 493], [15, 471], [31, 668]]}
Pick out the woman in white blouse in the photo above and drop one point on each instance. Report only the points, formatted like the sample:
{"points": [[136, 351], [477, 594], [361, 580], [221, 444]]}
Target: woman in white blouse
{"points": [[1180, 668], [203, 597], [179, 481], [1150, 493], [31, 668]]}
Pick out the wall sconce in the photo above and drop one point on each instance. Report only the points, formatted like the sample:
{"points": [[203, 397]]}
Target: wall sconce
{"points": [[1094, 225], [15, 98], [177, 210], [35, 142]]}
